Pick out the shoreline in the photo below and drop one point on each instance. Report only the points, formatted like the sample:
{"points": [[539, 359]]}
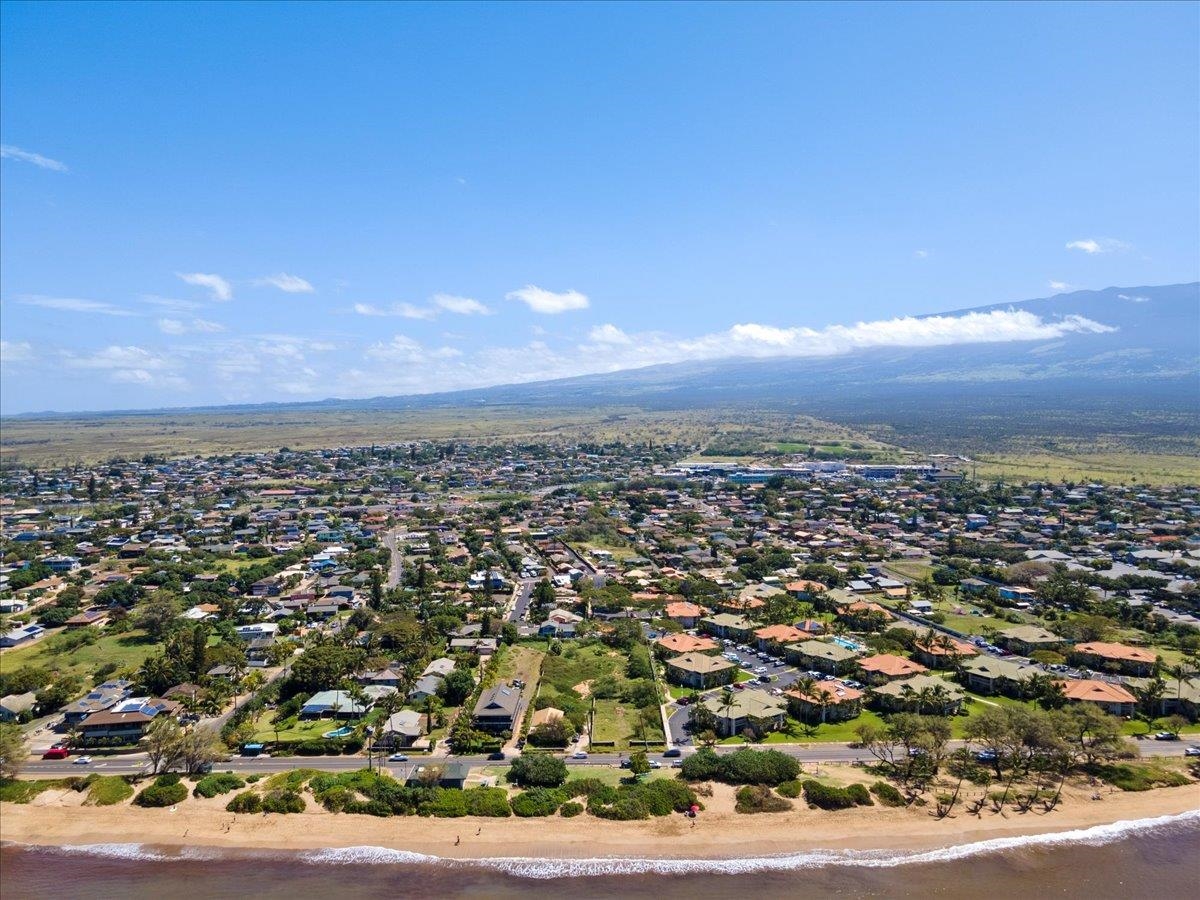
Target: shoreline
{"points": [[717, 835]]}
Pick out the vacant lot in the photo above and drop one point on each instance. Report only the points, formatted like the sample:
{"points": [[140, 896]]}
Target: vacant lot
{"points": [[127, 650], [1114, 468]]}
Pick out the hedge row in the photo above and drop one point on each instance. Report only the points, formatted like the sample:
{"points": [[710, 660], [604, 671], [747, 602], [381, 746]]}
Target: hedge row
{"points": [[824, 796]]}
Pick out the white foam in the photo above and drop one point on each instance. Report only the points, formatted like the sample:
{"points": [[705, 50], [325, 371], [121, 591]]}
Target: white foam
{"points": [[527, 867]]}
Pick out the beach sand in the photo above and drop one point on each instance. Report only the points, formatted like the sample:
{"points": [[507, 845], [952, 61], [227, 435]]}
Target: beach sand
{"points": [[719, 832]]}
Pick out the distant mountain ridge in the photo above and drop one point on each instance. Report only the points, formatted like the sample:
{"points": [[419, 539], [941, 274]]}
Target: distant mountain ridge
{"points": [[1152, 358]]}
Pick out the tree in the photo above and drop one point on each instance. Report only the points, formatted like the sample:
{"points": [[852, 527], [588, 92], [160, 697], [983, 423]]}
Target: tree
{"points": [[639, 763], [1149, 700], [456, 687], [537, 770], [1089, 733], [13, 750], [157, 615], [198, 748], [163, 743]]}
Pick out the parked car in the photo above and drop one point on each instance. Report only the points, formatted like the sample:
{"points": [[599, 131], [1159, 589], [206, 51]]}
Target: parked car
{"points": [[1166, 736], [655, 764], [56, 753], [684, 701], [499, 754], [1191, 751]]}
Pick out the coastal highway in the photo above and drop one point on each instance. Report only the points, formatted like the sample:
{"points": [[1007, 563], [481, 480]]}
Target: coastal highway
{"points": [[135, 763]]}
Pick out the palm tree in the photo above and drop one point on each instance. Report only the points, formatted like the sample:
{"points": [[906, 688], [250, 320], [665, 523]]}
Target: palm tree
{"points": [[728, 701], [806, 686]]}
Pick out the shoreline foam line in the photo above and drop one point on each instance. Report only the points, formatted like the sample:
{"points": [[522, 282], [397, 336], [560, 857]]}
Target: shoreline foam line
{"points": [[535, 868]]}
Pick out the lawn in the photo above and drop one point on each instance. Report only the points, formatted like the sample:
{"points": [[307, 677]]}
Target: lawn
{"points": [[301, 730], [909, 568], [127, 650], [617, 724], [233, 566], [519, 661]]}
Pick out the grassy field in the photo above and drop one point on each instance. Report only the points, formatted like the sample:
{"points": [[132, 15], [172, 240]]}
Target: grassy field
{"points": [[619, 724], [1112, 467], [909, 568], [301, 730], [126, 650]]}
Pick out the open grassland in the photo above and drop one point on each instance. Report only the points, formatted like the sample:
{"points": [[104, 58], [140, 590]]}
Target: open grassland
{"points": [[53, 652], [1110, 467]]}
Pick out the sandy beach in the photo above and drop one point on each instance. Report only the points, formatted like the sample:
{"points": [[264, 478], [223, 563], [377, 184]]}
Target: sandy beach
{"points": [[719, 832]]}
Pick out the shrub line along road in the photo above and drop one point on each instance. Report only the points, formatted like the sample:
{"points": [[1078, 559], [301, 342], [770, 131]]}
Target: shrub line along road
{"points": [[135, 763]]}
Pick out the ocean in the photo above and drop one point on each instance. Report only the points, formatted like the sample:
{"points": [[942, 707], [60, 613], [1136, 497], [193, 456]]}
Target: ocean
{"points": [[1147, 858]]}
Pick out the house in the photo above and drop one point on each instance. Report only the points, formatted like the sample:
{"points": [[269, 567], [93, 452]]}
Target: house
{"points": [[821, 656], [384, 677], [920, 693], [442, 666], [9, 605], [337, 704], [62, 565], [545, 716], [942, 652], [700, 671], [1181, 695], [728, 625], [1112, 698], [826, 701], [451, 775], [679, 644], [1025, 639], [96, 617], [560, 623], [497, 709], [804, 590], [888, 667], [775, 636], [685, 613], [26, 634], [750, 709], [987, 675], [257, 630], [403, 728], [12, 706], [126, 721], [1119, 657], [101, 697], [425, 687]]}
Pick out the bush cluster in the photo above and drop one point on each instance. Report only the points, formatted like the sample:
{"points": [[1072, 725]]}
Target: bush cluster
{"points": [[744, 766], [245, 802], [887, 794], [212, 785], [538, 802], [792, 789], [283, 801], [824, 796], [165, 791], [758, 798]]}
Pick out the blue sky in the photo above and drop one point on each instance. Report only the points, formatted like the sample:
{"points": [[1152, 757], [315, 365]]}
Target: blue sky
{"points": [[231, 203]]}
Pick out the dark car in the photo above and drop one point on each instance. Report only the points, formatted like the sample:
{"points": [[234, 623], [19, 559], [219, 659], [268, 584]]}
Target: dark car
{"points": [[674, 751], [499, 754]]}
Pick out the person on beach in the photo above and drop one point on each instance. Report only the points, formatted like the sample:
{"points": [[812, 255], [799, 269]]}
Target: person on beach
{"points": [[457, 840]]}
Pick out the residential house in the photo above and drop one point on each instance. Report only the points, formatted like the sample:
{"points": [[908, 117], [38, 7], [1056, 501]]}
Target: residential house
{"points": [[920, 693], [685, 613], [1114, 657], [125, 722], [885, 667], [403, 728], [425, 687], [942, 651], [1025, 639], [774, 637], [96, 617], [728, 625], [821, 656], [26, 634], [678, 644], [14, 705], [101, 697], [826, 701], [1112, 698], [498, 709], [700, 671], [750, 709], [988, 675], [337, 704]]}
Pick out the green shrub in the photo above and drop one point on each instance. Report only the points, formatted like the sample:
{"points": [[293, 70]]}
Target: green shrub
{"points": [[823, 796], [859, 794], [745, 766], [792, 789], [1129, 777], [489, 802], [661, 797], [212, 785], [444, 803], [253, 779], [283, 801], [537, 770], [290, 781], [537, 802], [626, 809], [887, 794], [570, 809], [163, 792], [245, 802], [167, 779], [585, 787], [108, 790], [13, 790], [758, 798]]}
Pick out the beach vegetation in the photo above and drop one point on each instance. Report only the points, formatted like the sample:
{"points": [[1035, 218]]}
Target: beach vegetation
{"points": [[282, 801], [537, 770], [245, 802], [746, 766], [22, 791], [107, 790], [887, 794], [824, 796], [165, 790], [14, 750], [570, 809], [758, 798], [538, 802], [217, 783]]}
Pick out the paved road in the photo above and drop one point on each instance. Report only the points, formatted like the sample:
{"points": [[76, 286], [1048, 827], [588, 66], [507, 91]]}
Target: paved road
{"points": [[396, 569], [521, 605], [131, 764]]}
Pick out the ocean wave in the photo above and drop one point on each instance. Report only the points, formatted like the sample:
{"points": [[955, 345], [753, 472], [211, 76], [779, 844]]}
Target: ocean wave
{"points": [[535, 868]]}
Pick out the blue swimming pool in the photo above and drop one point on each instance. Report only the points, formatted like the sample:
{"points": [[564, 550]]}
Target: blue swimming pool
{"points": [[847, 643], [341, 732]]}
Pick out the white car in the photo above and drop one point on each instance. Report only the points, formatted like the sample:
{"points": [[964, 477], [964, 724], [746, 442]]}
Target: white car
{"points": [[655, 764], [397, 757], [1191, 751], [82, 761], [579, 754]]}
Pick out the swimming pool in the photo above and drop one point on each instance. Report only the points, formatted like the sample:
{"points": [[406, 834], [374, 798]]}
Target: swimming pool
{"points": [[341, 732], [847, 643]]}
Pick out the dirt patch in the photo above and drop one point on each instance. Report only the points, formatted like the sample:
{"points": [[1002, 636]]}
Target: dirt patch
{"points": [[583, 689]]}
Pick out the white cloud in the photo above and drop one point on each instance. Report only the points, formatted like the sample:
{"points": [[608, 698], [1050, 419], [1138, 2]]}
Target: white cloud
{"points": [[1133, 299], [1092, 246], [198, 326], [75, 304], [547, 302], [116, 357], [921, 254], [15, 351], [438, 303], [460, 306], [171, 303], [291, 284], [1061, 286], [7, 151], [608, 334], [218, 287]]}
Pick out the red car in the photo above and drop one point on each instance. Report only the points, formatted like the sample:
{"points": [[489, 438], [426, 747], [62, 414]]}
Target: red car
{"points": [[56, 753]]}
